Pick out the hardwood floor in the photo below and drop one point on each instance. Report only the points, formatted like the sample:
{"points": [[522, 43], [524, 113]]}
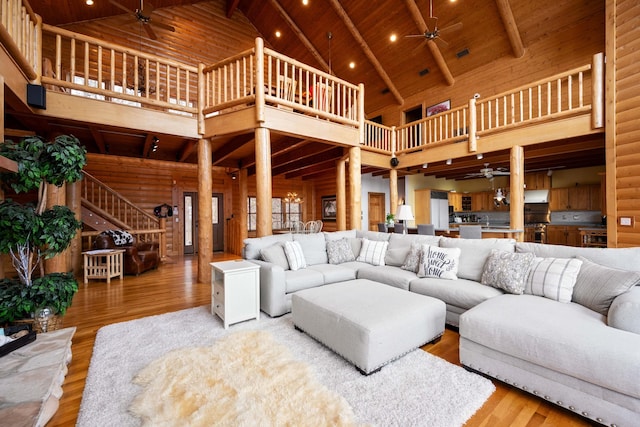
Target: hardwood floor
{"points": [[173, 286]]}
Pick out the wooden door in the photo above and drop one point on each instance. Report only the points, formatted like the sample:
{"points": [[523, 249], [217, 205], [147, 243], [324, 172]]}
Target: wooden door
{"points": [[191, 222], [376, 210]]}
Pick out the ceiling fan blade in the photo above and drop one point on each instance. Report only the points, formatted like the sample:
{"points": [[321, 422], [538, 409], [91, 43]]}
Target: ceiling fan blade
{"points": [[163, 26], [115, 3], [415, 35], [441, 41], [149, 31], [453, 27]]}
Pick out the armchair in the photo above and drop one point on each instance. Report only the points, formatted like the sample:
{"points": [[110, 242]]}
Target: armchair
{"points": [[138, 257]]}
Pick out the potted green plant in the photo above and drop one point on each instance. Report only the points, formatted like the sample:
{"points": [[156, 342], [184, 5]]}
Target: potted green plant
{"points": [[30, 233], [391, 218]]}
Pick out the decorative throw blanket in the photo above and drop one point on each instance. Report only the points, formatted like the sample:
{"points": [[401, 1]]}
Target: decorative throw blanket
{"points": [[120, 237]]}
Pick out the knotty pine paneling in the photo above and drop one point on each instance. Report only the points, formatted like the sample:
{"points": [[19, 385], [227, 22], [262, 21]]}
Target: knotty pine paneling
{"points": [[626, 134], [149, 183]]}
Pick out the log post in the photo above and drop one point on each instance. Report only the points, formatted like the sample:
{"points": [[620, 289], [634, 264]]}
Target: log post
{"points": [[597, 91], [205, 212], [355, 188], [263, 182], [74, 202], [516, 211], [244, 197], [341, 196], [393, 190]]}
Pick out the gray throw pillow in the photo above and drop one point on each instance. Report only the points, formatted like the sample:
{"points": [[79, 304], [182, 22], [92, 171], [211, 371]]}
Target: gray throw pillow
{"points": [[275, 255], [412, 261], [339, 251], [507, 270], [597, 286]]}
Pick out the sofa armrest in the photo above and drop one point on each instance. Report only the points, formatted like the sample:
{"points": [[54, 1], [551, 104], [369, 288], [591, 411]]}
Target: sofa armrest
{"points": [[273, 295], [624, 312]]}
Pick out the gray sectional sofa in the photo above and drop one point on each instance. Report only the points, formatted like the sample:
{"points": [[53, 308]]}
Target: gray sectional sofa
{"points": [[582, 354]]}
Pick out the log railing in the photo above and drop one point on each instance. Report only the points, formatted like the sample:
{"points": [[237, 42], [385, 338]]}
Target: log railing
{"points": [[378, 137], [75, 62], [577, 91], [285, 83], [144, 226], [20, 35], [157, 235]]}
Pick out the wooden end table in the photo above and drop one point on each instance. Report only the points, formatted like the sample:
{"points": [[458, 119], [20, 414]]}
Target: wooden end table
{"points": [[103, 264]]}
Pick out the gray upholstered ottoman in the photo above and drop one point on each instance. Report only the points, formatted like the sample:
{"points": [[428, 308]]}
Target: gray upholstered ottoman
{"points": [[368, 323]]}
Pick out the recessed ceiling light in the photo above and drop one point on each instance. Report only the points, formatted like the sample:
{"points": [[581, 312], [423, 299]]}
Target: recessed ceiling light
{"points": [[425, 165], [449, 161], [278, 34], [479, 156], [305, 2], [393, 37], [89, 2], [352, 65]]}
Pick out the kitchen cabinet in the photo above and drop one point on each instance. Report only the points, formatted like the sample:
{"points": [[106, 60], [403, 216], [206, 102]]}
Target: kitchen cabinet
{"points": [[529, 234], [432, 207], [455, 200], [482, 201], [537, 181], [578, 198], [568, 235]]}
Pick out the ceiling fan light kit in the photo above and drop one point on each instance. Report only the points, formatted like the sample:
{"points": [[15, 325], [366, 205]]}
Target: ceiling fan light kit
{"points": [[143, 15]]}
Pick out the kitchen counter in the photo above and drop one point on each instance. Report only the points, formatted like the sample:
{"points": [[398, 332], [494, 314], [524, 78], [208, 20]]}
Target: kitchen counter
{"points": [[501, 232]]}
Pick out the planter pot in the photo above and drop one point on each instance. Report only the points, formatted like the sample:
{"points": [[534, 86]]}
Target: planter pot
{"points": [[55, 323]]}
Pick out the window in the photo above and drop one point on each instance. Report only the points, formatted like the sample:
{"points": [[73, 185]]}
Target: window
{"points": [[281, 212]]}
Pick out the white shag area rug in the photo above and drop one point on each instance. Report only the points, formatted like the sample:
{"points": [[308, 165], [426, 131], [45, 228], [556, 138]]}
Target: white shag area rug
{"points": [[418, 389]]}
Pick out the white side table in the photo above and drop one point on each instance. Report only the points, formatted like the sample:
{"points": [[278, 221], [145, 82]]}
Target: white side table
{"points": [[235, 291]]}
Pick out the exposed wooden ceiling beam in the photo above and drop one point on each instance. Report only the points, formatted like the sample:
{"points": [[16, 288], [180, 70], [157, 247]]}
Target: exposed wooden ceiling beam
{"points": [[511, 26], [433, 47], [230, 146], [232, 5], [148, 142], [367, 50], [186, 150], [99, 140], [298, 32]]}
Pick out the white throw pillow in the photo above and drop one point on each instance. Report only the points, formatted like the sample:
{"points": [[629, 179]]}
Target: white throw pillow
{"points": [[295, 256], [439, 262], [553, 278], [373, 251]]}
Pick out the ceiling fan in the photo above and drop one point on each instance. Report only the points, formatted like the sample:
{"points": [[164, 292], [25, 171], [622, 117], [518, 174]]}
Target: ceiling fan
{"points": [[435, 33], [143, 15], [488, 172]]}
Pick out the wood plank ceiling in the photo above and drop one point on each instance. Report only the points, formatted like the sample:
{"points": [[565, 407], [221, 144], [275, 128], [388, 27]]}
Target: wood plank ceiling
{"points": [[331, 35]]}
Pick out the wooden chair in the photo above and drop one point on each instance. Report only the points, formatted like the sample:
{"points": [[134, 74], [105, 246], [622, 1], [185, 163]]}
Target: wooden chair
{"points": [[398, 227], [382, 227]]}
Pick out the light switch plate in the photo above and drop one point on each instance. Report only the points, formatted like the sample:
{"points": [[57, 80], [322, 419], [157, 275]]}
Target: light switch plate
{"points": [[626, 221]]}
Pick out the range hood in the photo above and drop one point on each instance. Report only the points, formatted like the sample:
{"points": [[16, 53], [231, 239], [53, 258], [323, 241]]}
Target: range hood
{"points": [[536, 196]]}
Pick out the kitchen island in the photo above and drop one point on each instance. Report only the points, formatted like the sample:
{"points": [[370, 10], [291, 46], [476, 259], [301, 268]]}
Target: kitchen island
{"points": [[488, 232]]}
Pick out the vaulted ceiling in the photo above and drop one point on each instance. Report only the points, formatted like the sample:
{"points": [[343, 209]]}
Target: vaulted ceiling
{"points": [[331, 35]]}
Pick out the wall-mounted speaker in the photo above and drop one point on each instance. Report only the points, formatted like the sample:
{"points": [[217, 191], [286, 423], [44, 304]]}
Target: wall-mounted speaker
{"points": [[395, 162], [36, 96]]}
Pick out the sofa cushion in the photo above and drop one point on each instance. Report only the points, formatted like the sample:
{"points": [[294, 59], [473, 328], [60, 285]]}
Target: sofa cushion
{"points": [[623, 313], [373, 235], [334, 273], [275, 255], [314, 247], [302, 279], [597, 285], [507, 270], [475, 253], [461, 293], [439, 262], [400, 246], [373, 251], [337, 235], [553, 278], [356, 245], [253, 245], [392, 276], [622, 258], [566, 338], [295, 256], [339, 251]]}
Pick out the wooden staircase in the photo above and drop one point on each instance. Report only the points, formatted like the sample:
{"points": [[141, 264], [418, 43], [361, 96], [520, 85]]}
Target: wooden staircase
{"points": [[105, 209]]}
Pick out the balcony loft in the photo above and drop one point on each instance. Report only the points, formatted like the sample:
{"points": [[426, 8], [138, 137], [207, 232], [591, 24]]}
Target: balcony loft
{"points": [[94, 82]]}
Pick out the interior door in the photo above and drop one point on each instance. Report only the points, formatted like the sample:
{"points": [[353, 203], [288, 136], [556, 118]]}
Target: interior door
{"points": [[376, 210], [191, 222]]}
